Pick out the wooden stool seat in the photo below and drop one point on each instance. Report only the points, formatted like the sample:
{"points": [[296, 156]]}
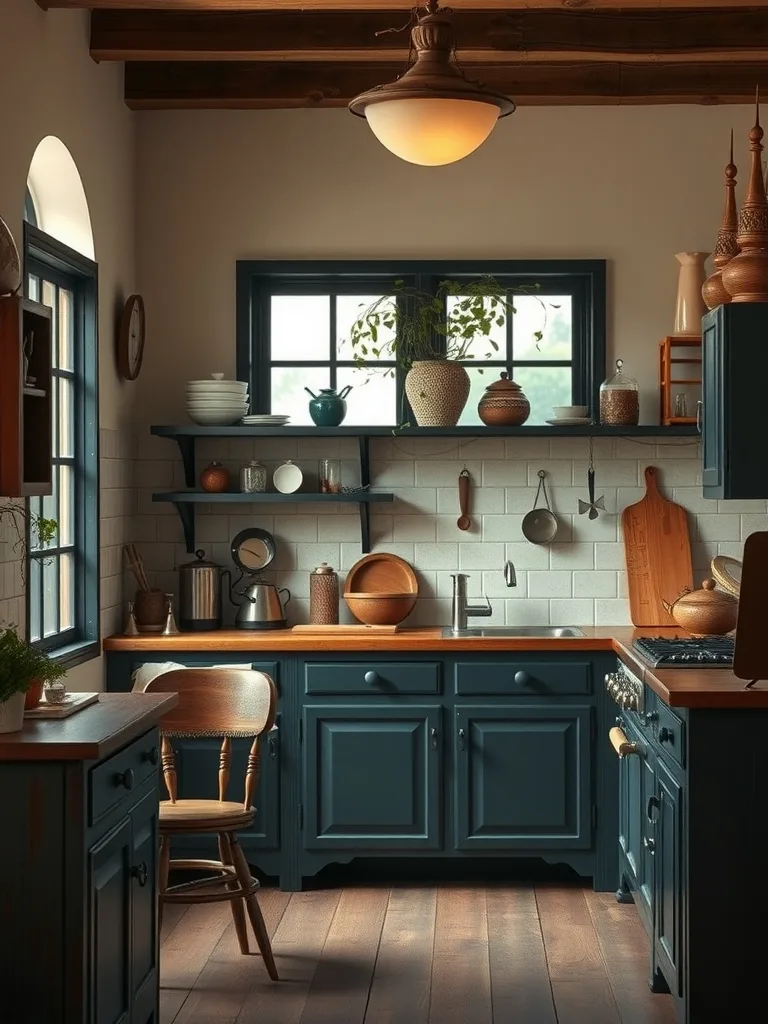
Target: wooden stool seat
{"points": [[203, 815], [233, 704]]}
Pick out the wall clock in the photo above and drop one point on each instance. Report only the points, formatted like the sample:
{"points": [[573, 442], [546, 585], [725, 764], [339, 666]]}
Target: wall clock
{"points": [[130, 338]]}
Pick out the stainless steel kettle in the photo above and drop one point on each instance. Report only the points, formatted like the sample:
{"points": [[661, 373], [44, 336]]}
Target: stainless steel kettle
{"points": [[200, 593], [261, 606]]}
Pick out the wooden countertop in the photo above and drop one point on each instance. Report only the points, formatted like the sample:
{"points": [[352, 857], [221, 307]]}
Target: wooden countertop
{"points": [[689, 687], [90, 734]]}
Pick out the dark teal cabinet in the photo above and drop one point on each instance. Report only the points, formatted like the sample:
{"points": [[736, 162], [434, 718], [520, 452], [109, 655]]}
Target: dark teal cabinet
{"points": [[143, 902], [109, 895], [523, 777], [734, 369], [665, 815], [372, 777]]}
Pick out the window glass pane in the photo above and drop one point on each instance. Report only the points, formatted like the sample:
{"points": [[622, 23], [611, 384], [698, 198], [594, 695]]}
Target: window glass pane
{"points": [[35, 586], [481, 347], [48, 298], [66, 592], [66, 414], [479, 379], [66, 329], [348, 309], [544, 387], [51, 506], [35, 508], [50, 595], [551, 314], [300, 328], [66, 505], [33, 288], [288, 395], [372, 402]]}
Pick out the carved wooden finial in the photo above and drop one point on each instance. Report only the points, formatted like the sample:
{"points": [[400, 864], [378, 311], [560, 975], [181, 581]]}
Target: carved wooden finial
{"points": [[713, 291], [745, 276]]}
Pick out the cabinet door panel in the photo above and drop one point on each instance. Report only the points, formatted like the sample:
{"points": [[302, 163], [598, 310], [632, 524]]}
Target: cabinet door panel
{"points": [[144, 895], [631, 810], [372, 777], [523, 777], [109, 896], [668, 882], [713, 446]]}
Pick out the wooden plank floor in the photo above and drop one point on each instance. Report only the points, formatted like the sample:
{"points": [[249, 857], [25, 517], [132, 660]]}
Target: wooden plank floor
{"points": [[448, 954]]}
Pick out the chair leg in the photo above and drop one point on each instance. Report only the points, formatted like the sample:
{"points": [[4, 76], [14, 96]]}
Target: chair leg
{"points": [[162, 877], [238, 911], [253, 908]]}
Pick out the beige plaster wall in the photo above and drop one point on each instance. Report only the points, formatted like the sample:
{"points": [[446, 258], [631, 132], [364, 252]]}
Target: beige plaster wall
{"points": [[52, 87], [633, 185]]}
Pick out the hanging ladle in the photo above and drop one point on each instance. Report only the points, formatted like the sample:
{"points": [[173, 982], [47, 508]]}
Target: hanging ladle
{"points": [[540, 524], [464, 522]]}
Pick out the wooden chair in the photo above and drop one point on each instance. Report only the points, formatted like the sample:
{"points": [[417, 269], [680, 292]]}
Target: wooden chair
{"points": [[230, 703]]}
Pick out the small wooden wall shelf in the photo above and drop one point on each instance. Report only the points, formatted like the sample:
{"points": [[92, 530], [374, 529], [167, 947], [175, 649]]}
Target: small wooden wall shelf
{"points": [[25, 404], [679, 373]]}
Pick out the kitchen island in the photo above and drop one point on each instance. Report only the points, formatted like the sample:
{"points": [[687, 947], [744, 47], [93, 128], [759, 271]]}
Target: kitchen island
{"points": [[78, 919], [413, 745]]}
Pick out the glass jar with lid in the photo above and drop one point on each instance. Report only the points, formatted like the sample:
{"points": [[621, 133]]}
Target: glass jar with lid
{"points": [[620, 399], [253, 478]]}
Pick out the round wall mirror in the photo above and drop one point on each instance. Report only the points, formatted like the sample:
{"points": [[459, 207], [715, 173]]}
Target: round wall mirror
{"points": [[253, 550]]}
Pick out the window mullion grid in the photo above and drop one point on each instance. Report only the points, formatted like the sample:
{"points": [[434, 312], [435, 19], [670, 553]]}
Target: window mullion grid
{"points": [[332, 341]]}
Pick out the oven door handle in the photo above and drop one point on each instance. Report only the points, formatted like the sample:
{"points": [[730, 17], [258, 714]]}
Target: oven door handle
{"points": [[621, 744]]}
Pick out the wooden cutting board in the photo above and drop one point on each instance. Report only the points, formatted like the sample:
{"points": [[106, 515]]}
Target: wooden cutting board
{"points": [[658, 552]]}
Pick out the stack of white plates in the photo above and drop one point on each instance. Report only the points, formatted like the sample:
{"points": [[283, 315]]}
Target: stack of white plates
{"points": [[265, 420], [217, 402]]}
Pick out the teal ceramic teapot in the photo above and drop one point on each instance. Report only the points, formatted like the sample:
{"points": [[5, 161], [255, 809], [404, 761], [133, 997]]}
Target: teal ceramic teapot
{"points": [[328, 409]]}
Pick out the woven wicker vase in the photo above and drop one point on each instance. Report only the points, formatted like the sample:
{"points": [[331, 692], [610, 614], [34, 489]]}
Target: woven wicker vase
{"points": [[437, 390]]}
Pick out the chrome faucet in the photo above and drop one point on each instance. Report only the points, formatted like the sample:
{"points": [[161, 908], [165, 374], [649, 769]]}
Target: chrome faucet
{"points": [[462, 610]]}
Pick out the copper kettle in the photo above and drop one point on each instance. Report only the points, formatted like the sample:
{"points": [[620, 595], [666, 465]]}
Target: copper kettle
{"points": [[705, 612]]}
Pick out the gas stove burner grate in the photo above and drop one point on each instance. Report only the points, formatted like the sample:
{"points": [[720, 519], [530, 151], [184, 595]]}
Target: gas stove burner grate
{"points": [[686, 652]]}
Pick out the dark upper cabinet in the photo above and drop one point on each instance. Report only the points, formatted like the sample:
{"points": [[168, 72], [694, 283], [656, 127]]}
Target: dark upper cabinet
{"points": [[734, 373]]}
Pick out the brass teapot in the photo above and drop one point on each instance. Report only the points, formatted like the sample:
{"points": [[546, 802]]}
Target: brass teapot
{"points": [[705, 612]]}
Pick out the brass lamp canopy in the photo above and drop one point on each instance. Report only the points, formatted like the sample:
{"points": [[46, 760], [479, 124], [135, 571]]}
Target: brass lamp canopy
{"points": [[432, 114]]}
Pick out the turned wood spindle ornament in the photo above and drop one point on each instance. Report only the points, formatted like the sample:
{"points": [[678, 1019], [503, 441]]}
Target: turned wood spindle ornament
{"points": [[714, 292], [745, 277]]}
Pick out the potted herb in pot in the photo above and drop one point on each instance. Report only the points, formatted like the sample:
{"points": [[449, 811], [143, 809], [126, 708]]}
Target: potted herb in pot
{"points": [[23, 671], [429, 338]]}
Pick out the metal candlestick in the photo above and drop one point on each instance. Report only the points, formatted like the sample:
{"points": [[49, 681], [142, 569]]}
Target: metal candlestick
{"points": [[171, 629]]}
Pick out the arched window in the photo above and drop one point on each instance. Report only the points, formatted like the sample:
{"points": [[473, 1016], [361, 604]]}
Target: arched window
{"points": [[62, 577]]}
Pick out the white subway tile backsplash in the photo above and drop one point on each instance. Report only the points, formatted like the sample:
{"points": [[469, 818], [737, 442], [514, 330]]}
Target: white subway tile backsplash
{"points": [[572, 556], [494, 585], [609, 556], [413, 528], [393, 474], [504, 474], [434, 556], [550, 584], [445, 473], [594, 584], [506, 528], [481, 500], [621, 472], [749, 524], [612, 612], [447, 530], [571, 612], [558, 474], [481, 556], [679, 474], [520, 449], [338, 528], [527, 613], [415, 499], [720, 526], [527, 556]]}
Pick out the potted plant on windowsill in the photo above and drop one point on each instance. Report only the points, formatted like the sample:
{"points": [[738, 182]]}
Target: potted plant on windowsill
{"points": [[26, 523], [429, 338], [23, 672]]}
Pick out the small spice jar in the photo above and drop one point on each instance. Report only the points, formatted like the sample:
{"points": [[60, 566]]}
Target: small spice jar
{"points": [[504, 404], [329, 476], [253, 478], [215, 478], [323, 596], [620, 399]]}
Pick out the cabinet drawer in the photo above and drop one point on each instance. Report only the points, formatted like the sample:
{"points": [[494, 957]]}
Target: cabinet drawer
{"points": [[522, 678], [376, 678], [670, 734], [115, 779]]}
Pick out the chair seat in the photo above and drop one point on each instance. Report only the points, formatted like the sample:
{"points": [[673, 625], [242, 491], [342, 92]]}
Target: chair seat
{"points": [[207, 815]]}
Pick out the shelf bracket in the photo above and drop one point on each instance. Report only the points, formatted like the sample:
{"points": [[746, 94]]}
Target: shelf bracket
{"points": [[365, 526], [186, 512], [365, 461], [186, 445]]}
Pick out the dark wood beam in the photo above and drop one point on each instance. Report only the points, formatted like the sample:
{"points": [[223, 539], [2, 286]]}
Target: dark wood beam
{"points": [[372, 5], [739, 34], [232, 85]]}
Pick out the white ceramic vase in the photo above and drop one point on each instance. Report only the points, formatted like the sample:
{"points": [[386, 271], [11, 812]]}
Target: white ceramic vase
{"points": [[12, 713], [690, 306], [437, 390]]}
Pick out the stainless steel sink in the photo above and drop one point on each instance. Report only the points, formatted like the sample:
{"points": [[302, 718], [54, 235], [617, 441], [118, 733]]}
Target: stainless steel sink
{"points": [[557, 632]]}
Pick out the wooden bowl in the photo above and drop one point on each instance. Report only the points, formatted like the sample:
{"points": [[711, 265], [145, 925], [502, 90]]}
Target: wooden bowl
{"points": [[380, 609]]}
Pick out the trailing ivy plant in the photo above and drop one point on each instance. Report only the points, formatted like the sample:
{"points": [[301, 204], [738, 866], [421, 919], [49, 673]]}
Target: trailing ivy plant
{"points": [[411, 325], [20, 663], [41, 530]]}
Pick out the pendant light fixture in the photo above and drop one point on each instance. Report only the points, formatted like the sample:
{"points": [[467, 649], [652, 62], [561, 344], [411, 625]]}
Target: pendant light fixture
{"points": [[432, 114]]}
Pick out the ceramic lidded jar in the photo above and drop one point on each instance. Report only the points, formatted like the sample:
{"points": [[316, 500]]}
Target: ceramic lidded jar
{"points": [[705, 612], [620, 399], [504, 404], [215, 478], [329, 408]]}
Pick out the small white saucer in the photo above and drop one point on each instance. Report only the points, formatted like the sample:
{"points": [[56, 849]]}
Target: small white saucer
{"points": [[287, 478], [571, 421]]}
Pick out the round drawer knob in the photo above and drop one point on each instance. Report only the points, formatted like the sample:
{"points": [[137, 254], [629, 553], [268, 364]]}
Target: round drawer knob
{"points": [[152, 755], [522, 678], [371, 678], [125, 779]]}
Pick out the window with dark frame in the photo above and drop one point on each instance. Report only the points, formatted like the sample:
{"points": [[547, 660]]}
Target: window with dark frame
{"points": [[63, 576], [294, 318]]}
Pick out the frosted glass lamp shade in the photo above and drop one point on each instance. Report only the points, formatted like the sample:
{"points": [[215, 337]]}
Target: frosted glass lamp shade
{"points": [[431, 132]]}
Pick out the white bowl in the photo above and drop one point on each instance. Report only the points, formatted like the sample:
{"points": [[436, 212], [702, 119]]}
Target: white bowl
{"points": [[215, 419], [212, 382], [570, 412], [287, 478], [214, 388], [226, 396], [221, 403]]}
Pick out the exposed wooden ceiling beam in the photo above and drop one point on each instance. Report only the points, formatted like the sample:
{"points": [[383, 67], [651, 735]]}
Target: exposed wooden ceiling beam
{"points": [[232, 85], [484, 37], [371, 5]]}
